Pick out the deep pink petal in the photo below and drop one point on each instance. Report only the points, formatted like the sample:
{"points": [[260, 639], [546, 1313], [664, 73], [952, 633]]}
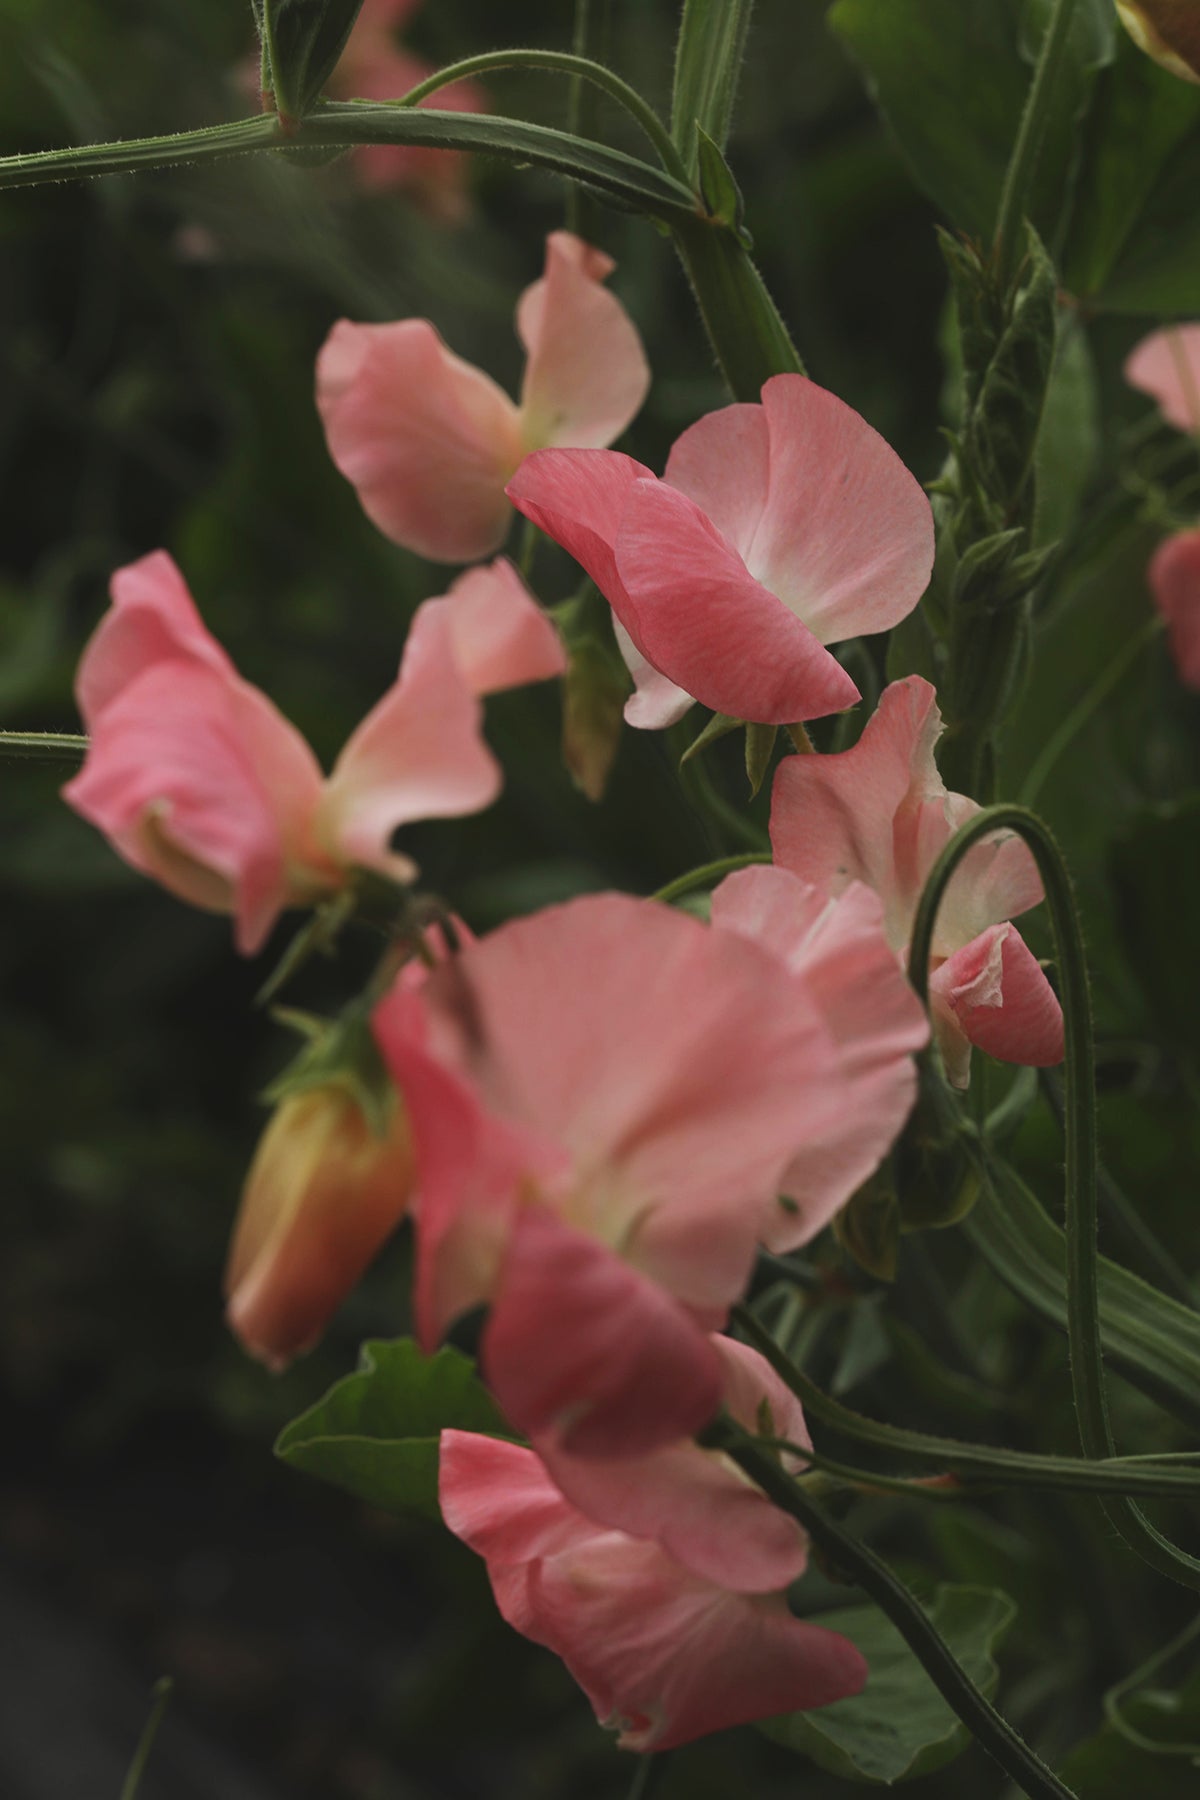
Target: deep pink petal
{"points": [[1174, 577], [702, 619], [839, 951], [587, 374], [577, 498], [994, 992], [426, 440], [500, 636], [579, 1343], [667, 1657], [419, 754], [846, 536], [695, 1503], [498, 1498], [152, 619], [655, 702], [1166, 365], [721, 462]]}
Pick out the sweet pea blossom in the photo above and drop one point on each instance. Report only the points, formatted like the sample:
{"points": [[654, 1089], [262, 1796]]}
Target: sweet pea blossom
{"points": [[776, 529], [660, 1590], [1166, 365], [428, 441], [603, 1097], [1174, 577], [1167, 30], [880, 814], [375, 66], [198, 780], [839, 950]]}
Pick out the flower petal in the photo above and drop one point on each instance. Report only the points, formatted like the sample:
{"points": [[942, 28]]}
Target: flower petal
{"points": [[498, 1498], [426, 440], [721, 463], [656, 702], [581, 1344], [1174, 577], [846, 536], [1166, 365], [587, 373], [577, 497], [700, 617], [994, 993], [152, 619], [500, 636]]}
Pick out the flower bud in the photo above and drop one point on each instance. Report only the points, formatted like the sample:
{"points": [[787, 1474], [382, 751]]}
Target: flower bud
{"points": [[329, 1182], [1167, 30]]}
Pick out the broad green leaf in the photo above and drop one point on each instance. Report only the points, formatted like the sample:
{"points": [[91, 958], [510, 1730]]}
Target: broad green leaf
{"points": [[899, 1726], [708, 61], [376, 1432], [304, 40]]}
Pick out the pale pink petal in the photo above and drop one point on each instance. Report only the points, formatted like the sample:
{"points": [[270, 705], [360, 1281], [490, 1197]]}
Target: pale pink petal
{"points": [[1174, 577], [498, 1498], [170, 780], [846, 536], [656, 702], [587, 374], [993, 993], [577, 498], [322, 1196], [695, 1503], [579, 1343], [426, 440], [667, 1059], [153, 619], [863, 814], [419, 754], [721, 462], [1166, 365], [667, 1657], [839, 951], [996, 880], [700, 617], [500, 635]]}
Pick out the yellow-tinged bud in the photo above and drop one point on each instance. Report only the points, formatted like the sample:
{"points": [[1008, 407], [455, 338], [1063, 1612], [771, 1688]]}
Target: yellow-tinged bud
{"points": [[326, 1188], [1167, 30]]}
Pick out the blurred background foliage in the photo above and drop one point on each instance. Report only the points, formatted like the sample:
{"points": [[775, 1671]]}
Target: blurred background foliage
{"points": [[157, 337]]}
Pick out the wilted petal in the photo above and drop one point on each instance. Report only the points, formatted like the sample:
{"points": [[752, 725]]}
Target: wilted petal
{"points": [[426, 440], [1166, 365], [587, 374], [1174, 577], [579, 1343], [699, 616]]}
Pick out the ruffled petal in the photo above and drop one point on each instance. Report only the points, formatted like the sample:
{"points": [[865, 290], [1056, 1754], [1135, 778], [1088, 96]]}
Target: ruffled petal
{"points": [[426, 440], [994, 993], [587, 373]]}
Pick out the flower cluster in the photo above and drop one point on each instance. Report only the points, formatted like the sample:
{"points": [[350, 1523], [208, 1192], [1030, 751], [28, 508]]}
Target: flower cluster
{"points": [[596, 1116]]}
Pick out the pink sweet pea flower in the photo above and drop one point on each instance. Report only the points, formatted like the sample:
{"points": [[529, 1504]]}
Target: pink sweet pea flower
{"points": [[1166, 365], [880, 814], [428, 441], [663, 1654], [1174, 576], [776, 529], [603, 1097], [839, 950], [198, 780]]}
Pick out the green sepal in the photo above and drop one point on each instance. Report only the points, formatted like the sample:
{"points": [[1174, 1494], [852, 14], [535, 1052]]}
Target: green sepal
{"points": [[337, 1053], [375, 1433], [760, 747], [868, 1226], [595, 689], [720, 192], [304, 40], [719, 726]]}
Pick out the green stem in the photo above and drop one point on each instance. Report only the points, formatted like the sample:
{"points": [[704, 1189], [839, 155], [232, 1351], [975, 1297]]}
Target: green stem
{"points": [[1083, 1299], [987, 1726], [1022, 167], [561, 62], [986, 1464], [162, 1695], [1069, 727], [709, 874], [44, 746], [748, 336]]}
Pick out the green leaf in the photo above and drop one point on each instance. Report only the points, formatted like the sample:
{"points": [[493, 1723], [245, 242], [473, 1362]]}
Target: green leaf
{"points": [[899, 1726], [722, 195], [304, 40], [376, 1433], [1151, 1746], [708, 61]]}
